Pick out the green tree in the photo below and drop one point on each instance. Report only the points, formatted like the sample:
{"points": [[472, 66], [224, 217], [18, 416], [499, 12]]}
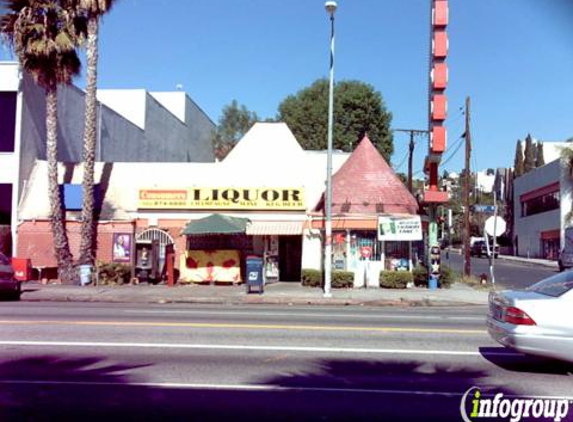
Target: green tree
{"points": [[43, 35], [518, 162], [358, 110], [530, 152], [540, 158], [235, 121], [91, 11]]}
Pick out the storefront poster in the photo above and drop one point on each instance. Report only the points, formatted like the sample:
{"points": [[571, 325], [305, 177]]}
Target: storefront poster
{"points": [[249, 198], [199, 266], [399, 228], [121, 251]]}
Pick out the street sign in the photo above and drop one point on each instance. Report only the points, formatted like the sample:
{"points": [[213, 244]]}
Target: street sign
{"points": [[488, 209], [495, 226]]}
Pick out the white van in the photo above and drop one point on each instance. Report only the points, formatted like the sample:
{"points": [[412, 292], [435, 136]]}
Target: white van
{"points": [[566, 255]]}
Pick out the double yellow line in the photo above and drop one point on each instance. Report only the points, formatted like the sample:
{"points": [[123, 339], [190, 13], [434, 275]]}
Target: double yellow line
{"points": [[246, 326]]}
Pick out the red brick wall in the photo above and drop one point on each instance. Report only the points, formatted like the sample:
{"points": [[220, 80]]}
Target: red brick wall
{"points": [[35, 240]]}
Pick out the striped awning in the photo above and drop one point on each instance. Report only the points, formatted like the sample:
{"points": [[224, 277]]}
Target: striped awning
{"points": [[258, 228]]}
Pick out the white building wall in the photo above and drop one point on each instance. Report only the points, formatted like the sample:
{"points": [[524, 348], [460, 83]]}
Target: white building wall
{"points": [[311, 250], [528, 229]]}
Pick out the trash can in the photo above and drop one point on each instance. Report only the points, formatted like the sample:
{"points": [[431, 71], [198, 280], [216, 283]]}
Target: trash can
{"points": [[85, 274], [433, 283], [255, 273], [22, 269]]}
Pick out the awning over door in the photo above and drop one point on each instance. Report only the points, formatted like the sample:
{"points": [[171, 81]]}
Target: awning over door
{"points": [[216, 224], [259, 228]]}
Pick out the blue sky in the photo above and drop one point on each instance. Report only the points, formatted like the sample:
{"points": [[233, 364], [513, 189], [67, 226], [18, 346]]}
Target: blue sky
{"points": [[513, 57]]}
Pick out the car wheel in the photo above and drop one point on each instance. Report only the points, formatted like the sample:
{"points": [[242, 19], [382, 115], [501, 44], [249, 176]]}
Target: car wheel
{"points": [[561, 267]]}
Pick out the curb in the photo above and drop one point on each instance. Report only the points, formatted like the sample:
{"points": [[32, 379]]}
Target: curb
{"points": [[529, 262], [254, 300]]}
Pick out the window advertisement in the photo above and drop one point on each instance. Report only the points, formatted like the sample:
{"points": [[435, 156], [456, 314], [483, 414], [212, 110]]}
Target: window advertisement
{"points": [[121, 247], [399, 228]]}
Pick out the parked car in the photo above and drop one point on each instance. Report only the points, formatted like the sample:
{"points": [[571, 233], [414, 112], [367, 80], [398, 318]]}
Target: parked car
{"points": [[538, 320], [479, 249], [9, 286]]}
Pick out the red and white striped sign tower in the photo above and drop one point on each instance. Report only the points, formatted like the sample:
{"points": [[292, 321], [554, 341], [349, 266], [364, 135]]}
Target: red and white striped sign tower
{"points": [[437, 113]]}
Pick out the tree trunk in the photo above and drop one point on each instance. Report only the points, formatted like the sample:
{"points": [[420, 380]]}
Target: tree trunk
{"points": [[61, 245], [89, 227]]}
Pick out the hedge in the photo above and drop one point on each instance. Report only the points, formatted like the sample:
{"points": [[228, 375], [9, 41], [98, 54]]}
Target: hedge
{"points": [[113, 273], [340, 279], [311, 278], [395, 279], [447, 276]]}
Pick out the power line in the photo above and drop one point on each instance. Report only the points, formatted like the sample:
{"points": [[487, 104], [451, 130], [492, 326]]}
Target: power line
{"points": [[456, 149]]}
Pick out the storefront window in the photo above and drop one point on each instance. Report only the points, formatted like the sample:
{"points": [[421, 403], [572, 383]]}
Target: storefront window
{"points": [[543, 203], [7, 121]]}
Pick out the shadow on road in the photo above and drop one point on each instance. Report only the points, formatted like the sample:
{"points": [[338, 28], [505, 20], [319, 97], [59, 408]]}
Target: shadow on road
{"points": [[48, 388], [500, 357]]}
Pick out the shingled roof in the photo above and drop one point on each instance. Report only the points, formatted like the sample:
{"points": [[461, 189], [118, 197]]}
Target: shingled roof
{"points": [[366, 184]]}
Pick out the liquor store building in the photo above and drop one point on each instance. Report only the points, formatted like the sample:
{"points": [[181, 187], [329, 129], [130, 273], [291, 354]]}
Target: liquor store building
{"points": [[258, 200]]}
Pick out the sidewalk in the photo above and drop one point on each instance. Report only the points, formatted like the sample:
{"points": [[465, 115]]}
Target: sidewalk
{"points": [[520, 259], [276, 293]]}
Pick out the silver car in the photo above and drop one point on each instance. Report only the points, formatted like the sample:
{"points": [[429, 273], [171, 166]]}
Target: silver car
{"points": [[9, 286], [538, 320]]}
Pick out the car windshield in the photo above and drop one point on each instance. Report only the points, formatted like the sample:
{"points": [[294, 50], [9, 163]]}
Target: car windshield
{"points": [[555, 286], [4, 260]]}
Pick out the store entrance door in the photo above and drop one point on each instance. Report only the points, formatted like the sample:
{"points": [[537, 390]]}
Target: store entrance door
{"points": [[290, 257]]}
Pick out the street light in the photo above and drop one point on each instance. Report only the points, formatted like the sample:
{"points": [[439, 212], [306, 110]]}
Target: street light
{"points": [[330, 7]]}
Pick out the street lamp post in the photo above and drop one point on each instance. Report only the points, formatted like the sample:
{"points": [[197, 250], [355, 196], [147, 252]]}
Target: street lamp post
{"points": [[330, 8]]}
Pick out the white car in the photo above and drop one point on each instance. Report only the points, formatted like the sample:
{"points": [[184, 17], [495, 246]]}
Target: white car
{"points": [[538, 320]]}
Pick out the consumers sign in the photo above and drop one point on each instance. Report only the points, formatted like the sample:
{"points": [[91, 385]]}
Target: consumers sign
{"points": [[222, 198], [399, 228]]}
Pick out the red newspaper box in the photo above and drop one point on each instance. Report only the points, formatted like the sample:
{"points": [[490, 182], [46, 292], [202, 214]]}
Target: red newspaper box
{"points": [[22, 269]]}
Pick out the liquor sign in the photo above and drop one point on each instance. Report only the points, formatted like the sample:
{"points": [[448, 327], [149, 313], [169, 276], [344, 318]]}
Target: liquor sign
{"points": [[399, 228], [222, 198]]}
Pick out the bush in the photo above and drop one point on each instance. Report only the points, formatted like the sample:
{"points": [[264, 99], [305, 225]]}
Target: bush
{"points": [[447, 277], [395, 279], [420, 274], [342, 279], [311, 278], [113, 273]]}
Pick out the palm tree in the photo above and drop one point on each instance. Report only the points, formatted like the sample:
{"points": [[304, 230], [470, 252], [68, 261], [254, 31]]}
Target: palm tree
{"points": [[43, 36], [92, 10]]}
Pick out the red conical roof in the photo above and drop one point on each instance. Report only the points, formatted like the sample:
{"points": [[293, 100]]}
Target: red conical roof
{"points": [[366, 184]]}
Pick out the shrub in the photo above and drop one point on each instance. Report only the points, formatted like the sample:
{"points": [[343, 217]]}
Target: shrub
{"points": [[447, 276], [311, 278], [420, 274], [113, 273], [342, 279], [395, 279]]}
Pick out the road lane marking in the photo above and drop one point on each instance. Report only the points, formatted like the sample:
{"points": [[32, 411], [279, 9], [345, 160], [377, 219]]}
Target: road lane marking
{"points": [[235, 347], [297, 314], [245, 326]]}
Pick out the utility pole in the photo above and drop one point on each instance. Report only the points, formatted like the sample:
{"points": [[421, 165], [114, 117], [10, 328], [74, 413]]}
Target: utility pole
{"points": [[467, 136], [412, 133]]}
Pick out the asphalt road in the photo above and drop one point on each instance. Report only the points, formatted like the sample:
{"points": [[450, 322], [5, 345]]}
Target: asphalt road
{"points": [[82, 361], [508, 274]]}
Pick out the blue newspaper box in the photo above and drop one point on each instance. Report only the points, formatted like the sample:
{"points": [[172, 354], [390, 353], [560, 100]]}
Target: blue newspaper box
{"points": [[254, 273]]}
